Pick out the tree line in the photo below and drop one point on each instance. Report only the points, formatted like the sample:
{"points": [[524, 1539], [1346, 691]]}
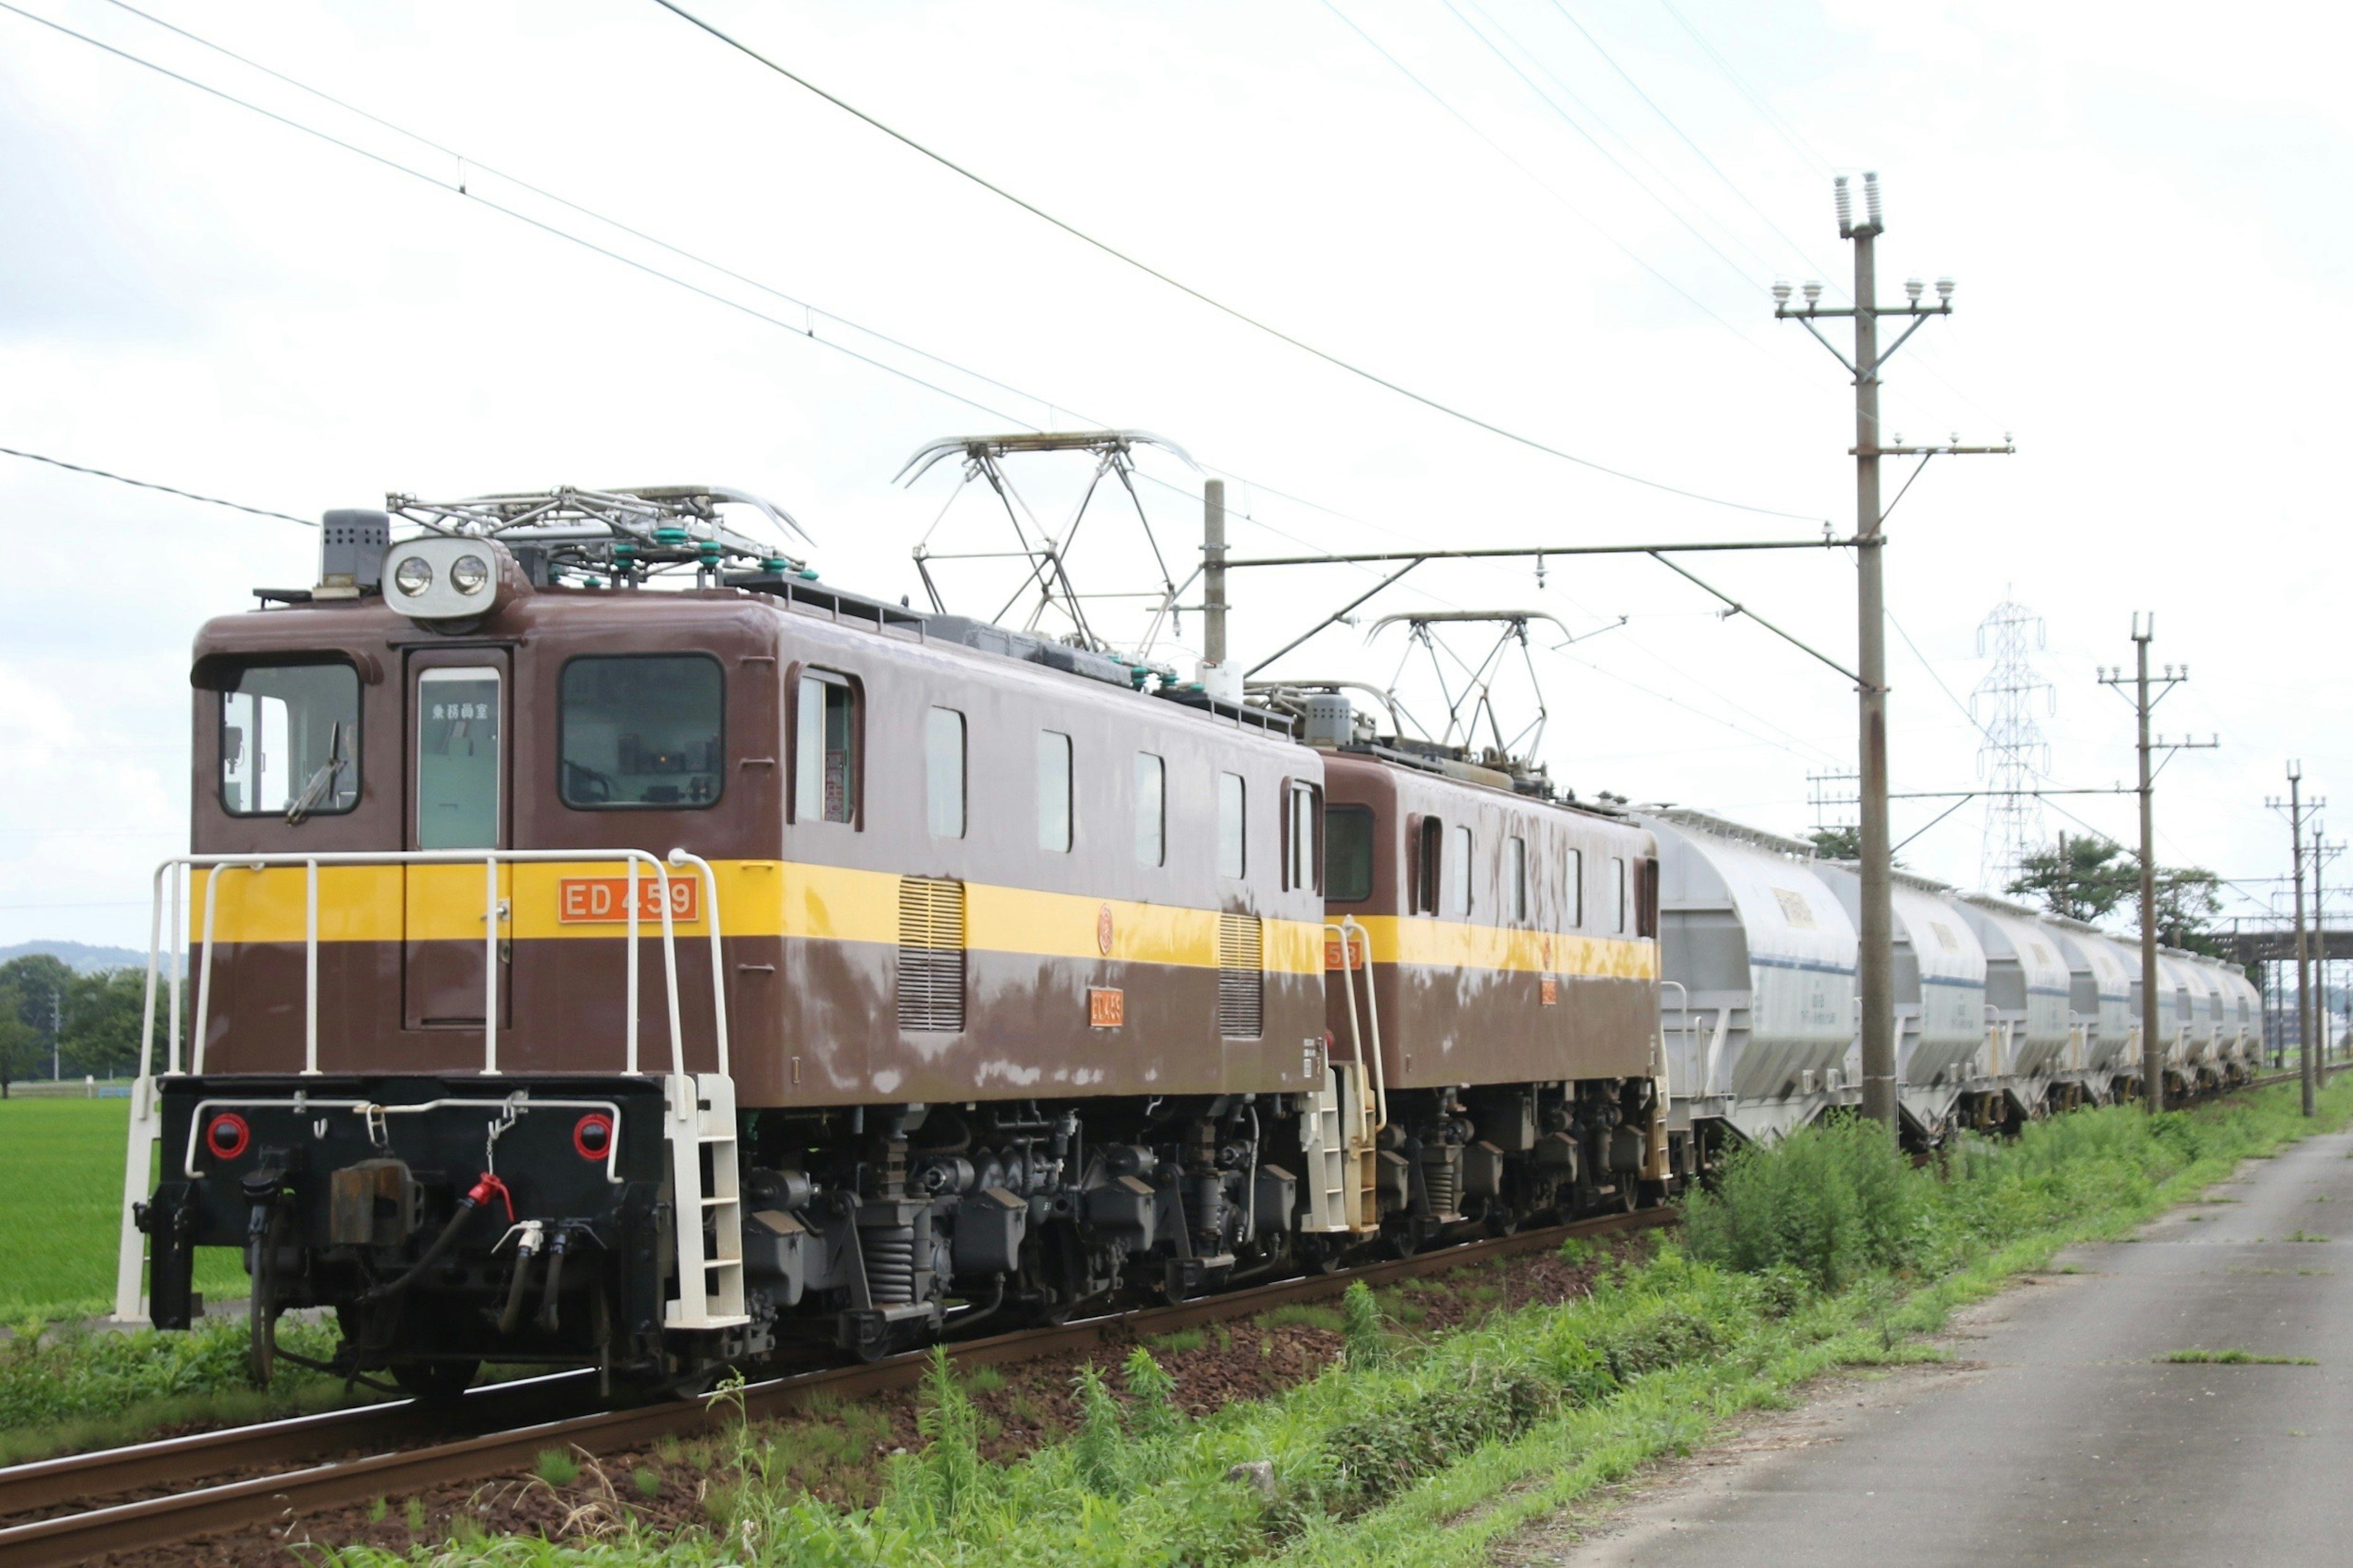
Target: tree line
{"points": [[87, 1024]]}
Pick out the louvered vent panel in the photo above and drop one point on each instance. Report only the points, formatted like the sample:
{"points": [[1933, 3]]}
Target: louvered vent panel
{"points": [[1242, 978], [931, 955]]}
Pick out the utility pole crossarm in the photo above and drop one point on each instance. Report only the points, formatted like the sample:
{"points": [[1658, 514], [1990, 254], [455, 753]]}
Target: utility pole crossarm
{"points": [[1876, 956]]}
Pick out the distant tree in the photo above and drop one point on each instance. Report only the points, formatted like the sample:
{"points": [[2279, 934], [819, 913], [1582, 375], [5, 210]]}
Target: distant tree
{"points": [[102, 1013], [2081, 878], [1838, 843], [20, 1044], [33, 992], [1841, 844], [2189, 898]]}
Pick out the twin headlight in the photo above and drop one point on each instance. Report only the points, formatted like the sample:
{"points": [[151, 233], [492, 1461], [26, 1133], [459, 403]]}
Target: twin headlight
{"points": [[439, 579], [470, 574]]}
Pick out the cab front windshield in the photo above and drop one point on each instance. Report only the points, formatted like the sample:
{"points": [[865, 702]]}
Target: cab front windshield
{"points": [[290, 740]]}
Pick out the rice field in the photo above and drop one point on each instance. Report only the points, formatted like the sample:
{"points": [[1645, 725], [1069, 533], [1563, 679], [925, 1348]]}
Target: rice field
{"points": [[60, 1190]]}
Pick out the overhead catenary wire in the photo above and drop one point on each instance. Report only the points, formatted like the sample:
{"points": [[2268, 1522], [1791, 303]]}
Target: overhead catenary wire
{"points": [[466, 192], [464, 188], [1541, 184], [1668, 121], [1789, 135], [1563, 115], [1255, 323], [151, 485], [475, 195], [395, 166]]}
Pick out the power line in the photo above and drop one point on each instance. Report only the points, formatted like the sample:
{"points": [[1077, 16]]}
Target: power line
{"points": [[1795, 143], [397, 166], [1729, 183], [657, 273], [1574, 124], [1214, 303], [1543, 185], [461, 188], [464, 190], [151, 485]]}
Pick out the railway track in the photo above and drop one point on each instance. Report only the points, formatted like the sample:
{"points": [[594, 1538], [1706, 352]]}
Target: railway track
{"points": [[343, 1458]]}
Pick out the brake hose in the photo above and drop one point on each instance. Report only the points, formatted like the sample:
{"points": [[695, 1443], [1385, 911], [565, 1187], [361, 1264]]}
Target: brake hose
{"points": [[473, 1200], [554, 1279]]}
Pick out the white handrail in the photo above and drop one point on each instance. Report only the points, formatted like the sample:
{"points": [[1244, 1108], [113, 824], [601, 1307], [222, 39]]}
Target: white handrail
{"points": [[718, 957], [1683, 1011], [1373, 1012], [177, 867], [311, 967]]}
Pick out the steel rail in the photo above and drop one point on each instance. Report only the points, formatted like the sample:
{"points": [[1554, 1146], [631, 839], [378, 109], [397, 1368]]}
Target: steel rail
{"points": [[296, 1494], [41, 1484]]}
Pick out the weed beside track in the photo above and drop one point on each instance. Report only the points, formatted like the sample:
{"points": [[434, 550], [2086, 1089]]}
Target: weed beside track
{"points": [[1423, 1444]]}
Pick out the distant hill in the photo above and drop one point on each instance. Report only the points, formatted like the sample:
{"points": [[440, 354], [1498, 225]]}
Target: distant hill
{"points": [[78, 956]]}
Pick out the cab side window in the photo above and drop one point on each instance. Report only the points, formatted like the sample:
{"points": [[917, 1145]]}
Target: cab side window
{"points": [[943, 772], [290, 740], [1233, 859], [642, 730], [1458, 874], [1429, 853], [1053, 791], [825, 749], [1302, 865]]}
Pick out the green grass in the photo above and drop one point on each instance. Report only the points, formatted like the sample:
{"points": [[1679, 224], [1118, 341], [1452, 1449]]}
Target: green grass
{"points": [[74, 1387], [1428, 1454], [2196, 1357], [61, 1174]]}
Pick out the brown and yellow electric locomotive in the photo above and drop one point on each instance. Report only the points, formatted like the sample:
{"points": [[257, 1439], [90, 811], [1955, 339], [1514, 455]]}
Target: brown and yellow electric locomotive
{"points": [[583, 974]]}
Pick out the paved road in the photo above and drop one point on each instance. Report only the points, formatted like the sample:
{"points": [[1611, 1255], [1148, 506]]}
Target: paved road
{"points": [[2063, 1439]]}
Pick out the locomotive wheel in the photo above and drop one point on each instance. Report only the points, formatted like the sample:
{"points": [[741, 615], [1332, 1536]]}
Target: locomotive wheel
{"points": [[435, 1382]]}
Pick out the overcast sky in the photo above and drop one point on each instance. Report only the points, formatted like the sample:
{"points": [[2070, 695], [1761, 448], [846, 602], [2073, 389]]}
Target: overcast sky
{"points": [[1562, 218]]}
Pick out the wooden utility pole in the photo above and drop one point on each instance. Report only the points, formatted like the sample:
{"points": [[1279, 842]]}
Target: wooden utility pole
{"points": [[1876, 958], [2144, 699]]}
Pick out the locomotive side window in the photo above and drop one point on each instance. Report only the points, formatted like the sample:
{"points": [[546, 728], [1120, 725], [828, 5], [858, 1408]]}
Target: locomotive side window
{"points": [[1458, 874], [457, 758], [1427, 867], [1053, 792], [1348, 854], [290, 740], [943, 772], [1516, 875], [1575, 868], [642, 730], [1300, 863], [1618, 891], [1151, 810], [825, 752], [1232, 859]]}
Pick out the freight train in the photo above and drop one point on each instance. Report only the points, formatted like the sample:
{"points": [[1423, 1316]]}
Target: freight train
{"points": [[573, 972]]}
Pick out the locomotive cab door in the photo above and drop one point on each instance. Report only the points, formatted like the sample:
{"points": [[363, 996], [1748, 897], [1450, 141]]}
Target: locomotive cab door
{"points": [[458, 781]]}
